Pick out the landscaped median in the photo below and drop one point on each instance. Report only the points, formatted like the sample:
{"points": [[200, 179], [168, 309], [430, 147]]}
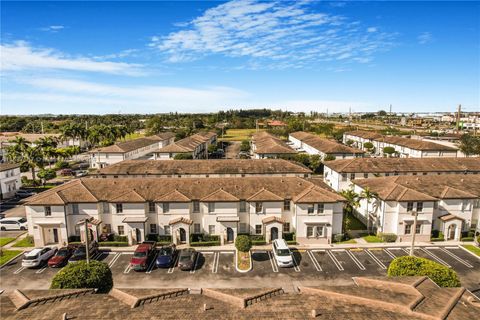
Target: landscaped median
{"points": [[5, 240], [472, 248], [243, 258], [7, 255]]}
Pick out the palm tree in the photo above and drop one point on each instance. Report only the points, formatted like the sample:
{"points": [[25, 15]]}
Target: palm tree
{"points": [[352, 202], [368, 195]]}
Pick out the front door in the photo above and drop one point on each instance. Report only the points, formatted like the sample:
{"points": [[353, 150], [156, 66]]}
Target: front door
{"points": [[183, 235], [451, 232], [138, 235], [273, 233], [55, 235], [229, 235]]}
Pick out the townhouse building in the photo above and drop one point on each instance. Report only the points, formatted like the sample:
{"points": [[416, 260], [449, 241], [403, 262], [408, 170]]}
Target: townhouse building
{"points": [[215, 168], [404, 147], [10, 180], [266, 145], [133, 149], [448, 204], [340, 174], [195, 145], [268, 206], [313, 144]]}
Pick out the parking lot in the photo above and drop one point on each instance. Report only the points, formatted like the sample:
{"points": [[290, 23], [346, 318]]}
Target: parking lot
{"points": [[217, 268]]}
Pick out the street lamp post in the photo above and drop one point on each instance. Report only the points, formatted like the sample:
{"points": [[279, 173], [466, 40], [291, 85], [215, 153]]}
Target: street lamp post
{"points": [[415, 216], [87, 251]]}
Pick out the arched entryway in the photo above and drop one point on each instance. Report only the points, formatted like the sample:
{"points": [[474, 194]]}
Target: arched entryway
{"points": [[273, 233], [183, 235], [230, 234], [451, 231]]}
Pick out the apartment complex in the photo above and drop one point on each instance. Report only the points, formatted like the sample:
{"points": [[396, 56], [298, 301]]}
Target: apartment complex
{"points": [[340, 174], [313, 144], [266, 145], [268, 206], [133, 149], [195, 145], [9, 179], [405, 147], [205, 169], [447, 203]]}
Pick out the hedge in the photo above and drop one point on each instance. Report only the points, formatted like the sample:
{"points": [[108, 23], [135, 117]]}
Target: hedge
{"points": [[387, 237], [289, 236], [113, 244], [118, 238], [204, 243], [415, 266], [258, 242], [243, 243], [200, 237], [81, 275], [467, 239]]}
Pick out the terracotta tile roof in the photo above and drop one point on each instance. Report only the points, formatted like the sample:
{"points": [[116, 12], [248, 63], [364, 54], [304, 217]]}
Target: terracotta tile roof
{"points": [[382, 165], [180, 220], [273, 219], [316, 194], [220, 196], [423, 188], [212, 166], [364, 134], [178, 189], [127, 146], [266, 143], [449, 216], [324, 145], [8, 166], [187, 144]]}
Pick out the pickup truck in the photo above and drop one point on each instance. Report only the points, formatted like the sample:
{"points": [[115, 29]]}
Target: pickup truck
{"points": [[143, 255]]}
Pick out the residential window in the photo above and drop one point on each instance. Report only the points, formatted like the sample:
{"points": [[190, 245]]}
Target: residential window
{"points": [[344, 177], [286, 227], [320, 208], [309, 231], [166, 207], [310, 208], [286, 205], [419, 206], [258, 207], [387, 174], [106, 207], [418, 228], [196, 206], [258, 229], [424, 173], [121, 230], [414, 173], [243, 206], [409, 206], [465, 205], [352, 176], [211, 229], [395, 173], [151, 206], [196, 228], [75, 208], [166, 230], [243, 227], [107, 228], [153, 228], [48, 211], [319, 231], [119, 207], [408, 229], [365, 175], [211, 207]]}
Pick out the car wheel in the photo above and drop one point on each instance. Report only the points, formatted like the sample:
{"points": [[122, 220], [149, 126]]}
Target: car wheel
{"points": [[3, 229], [22, 228]]}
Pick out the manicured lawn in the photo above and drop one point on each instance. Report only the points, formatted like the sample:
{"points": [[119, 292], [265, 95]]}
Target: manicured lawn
{"points": [[238, 134], [372, 239], [25, 242], [134, 135], [5, 240], [243, 260], [472, 248], [347, 241], [7, 255]]}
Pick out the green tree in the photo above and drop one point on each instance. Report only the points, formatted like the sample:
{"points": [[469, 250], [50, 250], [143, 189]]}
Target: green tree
{"points": [[351, 203], [81, 275], [46, 174], [243, 243], [389, 151], [329, 157], [245, 146], [469, 145], [368, 195], [183, 156]]}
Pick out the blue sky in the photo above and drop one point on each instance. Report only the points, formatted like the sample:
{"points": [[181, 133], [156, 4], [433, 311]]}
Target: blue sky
{"points": [[200, 56]]}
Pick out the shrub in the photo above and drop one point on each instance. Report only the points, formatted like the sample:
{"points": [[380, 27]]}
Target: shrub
{"points": [[289, 236], [258, 242], [329, 157], [387, 237], [205, 243], [435, 233], [80, 275], [415, 266], [164, 238], [152, 237], [368, 145], [243, 243], [440, 236], [113, 244], [183, 156], [73, 239], [61, 165], [338, 237], [200, 237], [467, 239], [118, 238], [256, 237], [389, 150]]}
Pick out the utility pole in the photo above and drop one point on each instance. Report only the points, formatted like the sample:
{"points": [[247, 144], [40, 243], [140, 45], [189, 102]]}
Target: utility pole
{"points": [[458, 116], [415, 216], [349, 116], [390, 114], [41, 125], [87, 248]]}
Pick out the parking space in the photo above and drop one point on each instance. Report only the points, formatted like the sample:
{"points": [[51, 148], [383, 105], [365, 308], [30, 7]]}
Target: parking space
{"points": [[382, 255], [327, 261], [225, 263], [262, 262]]}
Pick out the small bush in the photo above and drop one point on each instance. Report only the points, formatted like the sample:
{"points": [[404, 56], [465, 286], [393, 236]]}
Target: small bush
{"points": [[118, 238], [183, 156], [256, 237], [61, 165], [435, 233], [467, 239], [387, 237], [243, 243], [205, 243], [73, 239], [113, 244], [415, 266], [440, 237], [338, 237], [152, 237], [164, 238], [200, 237], [289, 236], [258, 242], [81, 275]]}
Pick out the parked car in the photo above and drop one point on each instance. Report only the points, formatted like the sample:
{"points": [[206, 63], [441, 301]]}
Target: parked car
{"points": [[166, 256], [24, 193], [37, 257], [80, 252], [281, 253], [81, 173], [186, 259], [66, 172], [143, 255], [106, 236], [13, 223], [61, 257]]}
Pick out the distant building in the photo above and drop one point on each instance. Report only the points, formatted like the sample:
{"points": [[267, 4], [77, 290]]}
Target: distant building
{"points": [[313, 144], [10, 180], [267, 145], [195, 145]]}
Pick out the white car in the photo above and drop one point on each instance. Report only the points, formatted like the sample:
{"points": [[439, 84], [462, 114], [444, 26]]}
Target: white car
{"points": [[13, 223], [38, 257], [282, 253]]}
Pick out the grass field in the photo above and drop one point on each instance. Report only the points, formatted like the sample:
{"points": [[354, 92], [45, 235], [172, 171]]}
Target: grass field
{"points": [[25, 242], [238, 134], [472, 248], [134, 135], [7, 255], [5, 240], [372, 239]]}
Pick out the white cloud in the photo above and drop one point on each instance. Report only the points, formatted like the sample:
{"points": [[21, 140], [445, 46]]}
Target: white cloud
{"points": [[425, 38], [21, 56], [273, 34], [54, 28]]}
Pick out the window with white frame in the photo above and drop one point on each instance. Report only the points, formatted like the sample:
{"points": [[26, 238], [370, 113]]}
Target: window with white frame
{"points": [[409, 206], [258, 229], [320, 208], [211, 207], [319, 231], [119, 208], [121, 230], [75, 208], [48, 211], [352, 176], [309, 231], [151, 207], [344, 177], [167, 230], [211, 229], [258, 207], [153, 228], [465, 205], [165, 207], [418, 228], [106, 207], [196, 228], [196, 206], [419, 206], [365, 175], [310, 208], [243, 206], [408, 229]]}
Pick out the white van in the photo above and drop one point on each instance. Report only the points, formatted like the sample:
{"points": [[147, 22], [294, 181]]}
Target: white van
{"points": [[282, 253], [13, 223]]}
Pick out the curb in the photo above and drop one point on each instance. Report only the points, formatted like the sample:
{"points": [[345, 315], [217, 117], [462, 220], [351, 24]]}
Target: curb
{"points": [[465, 249], [8, 262], [236, 262]]}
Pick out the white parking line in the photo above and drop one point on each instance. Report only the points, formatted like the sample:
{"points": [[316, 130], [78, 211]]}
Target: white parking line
{"points": [[195, 263], [19, 270], [127, 269], [216, 258], [314, 260], [172, 268], [115, 258], [454, 256], [42, 269], [407, 251], [357, 262], [435, 257], [335, 261], [295, 263], [97, 255], [272, 261], [387, 251], [374, 258], [150, 267]]}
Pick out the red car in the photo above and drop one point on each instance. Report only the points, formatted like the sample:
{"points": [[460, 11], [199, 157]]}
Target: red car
{"points": [[143, 255], [61, 257]]}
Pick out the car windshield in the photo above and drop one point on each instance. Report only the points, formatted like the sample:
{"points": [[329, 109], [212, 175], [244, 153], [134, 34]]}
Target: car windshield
{"points": [[283, 252], [80, 251], [22, 220], [165, 252], [62, 253], [185, 258], [32, 257], [141, 254]]}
